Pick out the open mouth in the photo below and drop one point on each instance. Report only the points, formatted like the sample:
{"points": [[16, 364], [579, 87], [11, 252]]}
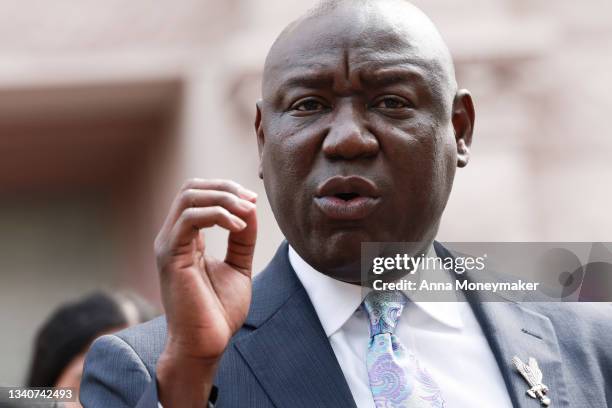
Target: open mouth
{"points": [[346, 196], [348, 188]]}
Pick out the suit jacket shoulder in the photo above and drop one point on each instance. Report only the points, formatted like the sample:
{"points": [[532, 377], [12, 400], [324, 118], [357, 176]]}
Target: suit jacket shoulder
{"points": [[120, 368]]}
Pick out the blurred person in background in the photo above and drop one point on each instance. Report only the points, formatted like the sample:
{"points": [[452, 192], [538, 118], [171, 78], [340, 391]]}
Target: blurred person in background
{"points": [[63, 340]]}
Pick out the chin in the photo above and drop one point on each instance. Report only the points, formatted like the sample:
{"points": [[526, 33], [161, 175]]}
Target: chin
{"points": [[339, 255]]}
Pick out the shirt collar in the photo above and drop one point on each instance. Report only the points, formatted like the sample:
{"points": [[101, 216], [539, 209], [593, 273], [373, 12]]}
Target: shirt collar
{"points": [[336, 301]]}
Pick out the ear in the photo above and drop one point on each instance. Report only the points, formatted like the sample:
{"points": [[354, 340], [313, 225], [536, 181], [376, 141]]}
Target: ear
{"points": [[463, 123], [260, 136]]}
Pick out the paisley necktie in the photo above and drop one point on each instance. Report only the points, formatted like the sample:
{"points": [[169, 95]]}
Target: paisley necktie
{"points": [[397, 380]]}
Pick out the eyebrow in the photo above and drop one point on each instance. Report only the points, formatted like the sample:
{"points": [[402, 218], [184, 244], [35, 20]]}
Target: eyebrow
{"points": [[391, 76], [313, 79]]}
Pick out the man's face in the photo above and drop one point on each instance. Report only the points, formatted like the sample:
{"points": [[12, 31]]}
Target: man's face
{"points": [[356, 138]]}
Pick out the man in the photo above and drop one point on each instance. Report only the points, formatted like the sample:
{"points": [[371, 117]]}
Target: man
{"points": [[360, 129]]}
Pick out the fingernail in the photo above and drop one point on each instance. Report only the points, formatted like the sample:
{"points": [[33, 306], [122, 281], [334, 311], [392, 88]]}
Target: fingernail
{"points": [[249, 194], [240, 223]]}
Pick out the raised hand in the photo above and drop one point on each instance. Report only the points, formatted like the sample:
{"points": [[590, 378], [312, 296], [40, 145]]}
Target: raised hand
{"points": [[206, 300]]}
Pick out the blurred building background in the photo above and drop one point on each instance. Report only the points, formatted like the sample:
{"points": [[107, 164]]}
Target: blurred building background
{"points": [[106, 106]]}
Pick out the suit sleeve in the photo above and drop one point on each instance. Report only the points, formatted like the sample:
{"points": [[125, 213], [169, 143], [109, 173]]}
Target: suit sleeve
{"points": [[114, 376]]}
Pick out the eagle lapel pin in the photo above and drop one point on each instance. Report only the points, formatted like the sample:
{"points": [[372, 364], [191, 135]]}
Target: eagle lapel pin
{"points": [[533, 375]]}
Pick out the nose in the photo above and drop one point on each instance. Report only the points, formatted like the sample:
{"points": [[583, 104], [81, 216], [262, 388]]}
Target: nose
{"points": [[348, 137]]}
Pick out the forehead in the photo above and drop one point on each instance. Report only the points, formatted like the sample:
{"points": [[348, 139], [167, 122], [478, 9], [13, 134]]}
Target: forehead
{"points": [[357, 39]]}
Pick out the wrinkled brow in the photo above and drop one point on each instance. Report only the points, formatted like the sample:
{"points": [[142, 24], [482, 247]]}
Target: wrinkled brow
{"points": [[316, 76]]}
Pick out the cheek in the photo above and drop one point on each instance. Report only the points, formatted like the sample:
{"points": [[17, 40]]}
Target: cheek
{"points": [[288, 158], [444, 169], [423, 158], [413, 150], [450, 156], [290, 150]]}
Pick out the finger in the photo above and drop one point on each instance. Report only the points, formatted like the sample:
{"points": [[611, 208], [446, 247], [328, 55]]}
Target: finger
{"points": [[202, 193], [241, 245], [182, 199], [210, 198], [193, 219], [220, 184]]}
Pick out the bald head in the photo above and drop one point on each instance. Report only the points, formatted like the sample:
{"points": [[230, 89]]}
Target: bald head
{"points": [[396, 25]]}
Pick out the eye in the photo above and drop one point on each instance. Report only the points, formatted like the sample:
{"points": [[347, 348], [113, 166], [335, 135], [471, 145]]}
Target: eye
{"points": [[392, 103], [308, 105]]}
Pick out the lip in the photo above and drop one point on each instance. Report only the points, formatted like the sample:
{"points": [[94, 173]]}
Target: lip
{"points": [[365, 199]]}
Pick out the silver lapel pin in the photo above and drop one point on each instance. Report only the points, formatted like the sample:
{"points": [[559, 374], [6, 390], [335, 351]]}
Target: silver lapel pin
{"points": [[533, 375]]}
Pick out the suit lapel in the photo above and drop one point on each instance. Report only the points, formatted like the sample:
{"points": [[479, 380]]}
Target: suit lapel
{"points": [[288, 351], [513, 330]]}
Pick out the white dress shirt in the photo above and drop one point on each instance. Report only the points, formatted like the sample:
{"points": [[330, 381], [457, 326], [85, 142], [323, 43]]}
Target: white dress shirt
{"points": [[444, 336]]}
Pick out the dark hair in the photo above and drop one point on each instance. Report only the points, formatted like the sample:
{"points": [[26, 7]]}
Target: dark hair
{"points": [[74, 326]]}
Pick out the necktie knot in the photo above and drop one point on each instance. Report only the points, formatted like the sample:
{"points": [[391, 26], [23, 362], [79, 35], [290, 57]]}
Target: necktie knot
{"points": [[384, 309]]}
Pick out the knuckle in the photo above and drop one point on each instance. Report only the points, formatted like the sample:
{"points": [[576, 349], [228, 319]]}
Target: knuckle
{"points": [[217, 183], [158, 239], [187, 184], [229, 200], [188, 214], [220, 212], [157, 246], [224, 184], [191, 183], [188, 197], [160, 248]]}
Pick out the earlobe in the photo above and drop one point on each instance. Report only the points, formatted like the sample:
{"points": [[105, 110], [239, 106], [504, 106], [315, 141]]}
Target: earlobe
{"points": [[463, 124], [260, 136], [463, 153]]}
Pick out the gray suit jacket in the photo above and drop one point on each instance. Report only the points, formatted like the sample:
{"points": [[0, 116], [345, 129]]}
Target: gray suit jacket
{"points": [[281, 357]]}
